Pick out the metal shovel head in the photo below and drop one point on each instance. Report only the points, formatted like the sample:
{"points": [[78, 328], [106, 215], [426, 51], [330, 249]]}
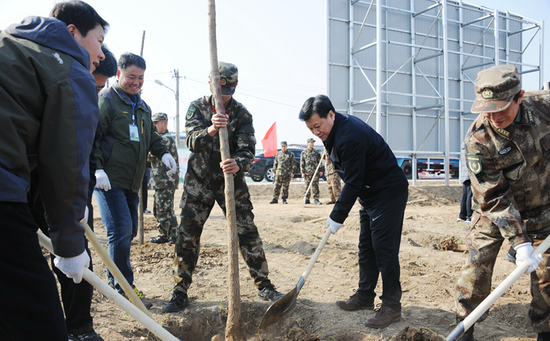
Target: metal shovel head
{"points": [[279, 308]]}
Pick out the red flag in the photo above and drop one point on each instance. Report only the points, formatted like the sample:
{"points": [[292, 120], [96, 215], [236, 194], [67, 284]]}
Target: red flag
{"points": [[269, 142]]}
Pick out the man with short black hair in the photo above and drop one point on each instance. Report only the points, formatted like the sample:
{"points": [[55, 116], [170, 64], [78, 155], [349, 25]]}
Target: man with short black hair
{"points": [[106, 69], [508, 158], [127, 135], [49, 116], [370, 172]]}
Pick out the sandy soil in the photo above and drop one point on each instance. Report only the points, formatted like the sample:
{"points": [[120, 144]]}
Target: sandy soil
{"points": [[428, 275]]}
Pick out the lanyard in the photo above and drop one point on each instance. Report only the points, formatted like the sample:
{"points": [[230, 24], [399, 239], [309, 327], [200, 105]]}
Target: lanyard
{"points": [[133, 106]]}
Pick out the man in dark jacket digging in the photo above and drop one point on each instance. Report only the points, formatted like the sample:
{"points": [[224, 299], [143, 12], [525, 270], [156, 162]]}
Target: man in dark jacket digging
{"points": [[370, 172]]}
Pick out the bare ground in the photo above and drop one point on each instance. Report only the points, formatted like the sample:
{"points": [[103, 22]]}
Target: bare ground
{"points": [[428, 276]]}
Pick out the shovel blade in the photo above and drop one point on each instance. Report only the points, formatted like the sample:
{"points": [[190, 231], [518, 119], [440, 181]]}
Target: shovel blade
{"points": [[279, 308]]}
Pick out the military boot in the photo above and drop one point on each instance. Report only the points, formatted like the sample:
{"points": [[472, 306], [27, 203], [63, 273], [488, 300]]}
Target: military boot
{"points": [[543, 337]]}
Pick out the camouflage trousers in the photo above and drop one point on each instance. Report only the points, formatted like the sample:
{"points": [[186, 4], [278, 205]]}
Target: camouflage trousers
{"points": [[163, 210], [334, 186], [282, 181], [314, 187], [194, 214], [484, 241]]}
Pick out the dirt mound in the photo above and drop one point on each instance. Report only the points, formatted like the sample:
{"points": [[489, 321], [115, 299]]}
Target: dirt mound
{"points": [[303, 248], [412, 334]]}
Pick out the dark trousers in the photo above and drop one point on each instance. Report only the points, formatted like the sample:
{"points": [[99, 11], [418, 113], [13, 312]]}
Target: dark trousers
{"points": [[76, 298], [466, 201], [30, 307], [379, 242]]}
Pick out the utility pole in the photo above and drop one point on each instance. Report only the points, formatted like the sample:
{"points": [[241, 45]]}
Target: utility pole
{"points": [[177, 75]]}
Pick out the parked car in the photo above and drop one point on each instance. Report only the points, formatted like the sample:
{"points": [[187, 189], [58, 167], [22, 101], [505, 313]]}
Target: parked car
{"points": [[262, 168]]}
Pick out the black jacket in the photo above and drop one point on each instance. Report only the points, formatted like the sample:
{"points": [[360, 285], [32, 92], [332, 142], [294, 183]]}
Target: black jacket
{"points": [[365, 163]]}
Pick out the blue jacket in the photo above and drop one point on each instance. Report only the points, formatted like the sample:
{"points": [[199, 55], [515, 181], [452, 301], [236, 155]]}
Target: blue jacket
{"points": [[48, 118], [365, 163]]}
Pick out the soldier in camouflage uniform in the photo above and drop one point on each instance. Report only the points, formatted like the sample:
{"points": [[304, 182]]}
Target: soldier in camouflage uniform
{"points": [[164, 185], [309, 159], [508, 156], [333, 180], [204, 185], [284, 167]]}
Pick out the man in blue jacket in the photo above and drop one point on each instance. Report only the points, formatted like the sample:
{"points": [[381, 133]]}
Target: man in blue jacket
{"points": [[370, 172], [49, 116]]}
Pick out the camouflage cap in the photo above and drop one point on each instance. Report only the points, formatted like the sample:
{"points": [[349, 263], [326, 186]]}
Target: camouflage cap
{"points": [[283, 143], [160, 116], [310, 140], [229, 75], [495, 88]]}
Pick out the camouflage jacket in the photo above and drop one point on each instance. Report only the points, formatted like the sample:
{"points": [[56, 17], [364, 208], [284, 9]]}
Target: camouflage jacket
{"points": [[309, 159], [205, 157], [159, 178], [510, 170], [285, 163], [329, 166]]}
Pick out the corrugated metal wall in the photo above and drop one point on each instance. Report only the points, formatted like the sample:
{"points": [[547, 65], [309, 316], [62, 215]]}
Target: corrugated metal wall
{"points": [[412, 66]]}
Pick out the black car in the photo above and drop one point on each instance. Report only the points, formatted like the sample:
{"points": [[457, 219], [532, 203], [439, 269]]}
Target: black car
{"points": [[262, 168]]}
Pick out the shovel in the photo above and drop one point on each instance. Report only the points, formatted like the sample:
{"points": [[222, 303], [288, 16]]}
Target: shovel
{"points": [[288, 301], [487, 302]]}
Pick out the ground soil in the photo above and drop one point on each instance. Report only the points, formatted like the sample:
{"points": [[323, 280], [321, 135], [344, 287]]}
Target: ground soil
{"points": [[429, 272]]}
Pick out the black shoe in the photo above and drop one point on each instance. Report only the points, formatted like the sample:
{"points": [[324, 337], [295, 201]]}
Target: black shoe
{"points": [[317, 202], [159, 240], [178, 301], [274, 201], [543, 337], [307, 201], [284, 201], [469, 334], [146, 211], [269, 293], [89, 336]]}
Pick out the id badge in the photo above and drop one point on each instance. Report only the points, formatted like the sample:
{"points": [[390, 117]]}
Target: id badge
{"points": [[134, 133]]}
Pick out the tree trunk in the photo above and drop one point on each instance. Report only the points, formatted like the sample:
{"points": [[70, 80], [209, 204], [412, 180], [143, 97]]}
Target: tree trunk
{"points": [[234, 329]]}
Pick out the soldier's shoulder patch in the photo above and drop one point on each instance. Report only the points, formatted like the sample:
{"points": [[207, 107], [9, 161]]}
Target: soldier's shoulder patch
{"points": [[474, 163], [191, 111]]}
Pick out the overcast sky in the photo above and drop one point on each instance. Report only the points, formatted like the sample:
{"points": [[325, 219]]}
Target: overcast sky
{"points": [[279, 47]]}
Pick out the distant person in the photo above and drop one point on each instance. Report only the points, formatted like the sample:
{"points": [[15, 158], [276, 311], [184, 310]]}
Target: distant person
{"points": [[165, 185], [466, 199], [127, 135], [284, 167], [334, 182], [309, 160], [205, 183], [48, 118], [370, 172], [508, 156]]}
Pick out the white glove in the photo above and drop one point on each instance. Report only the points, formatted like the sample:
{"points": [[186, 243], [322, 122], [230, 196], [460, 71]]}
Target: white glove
{"points": [[86, 212], [170, 163], [73, 267], [102, 180], [523, 254], [334, 226]]}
